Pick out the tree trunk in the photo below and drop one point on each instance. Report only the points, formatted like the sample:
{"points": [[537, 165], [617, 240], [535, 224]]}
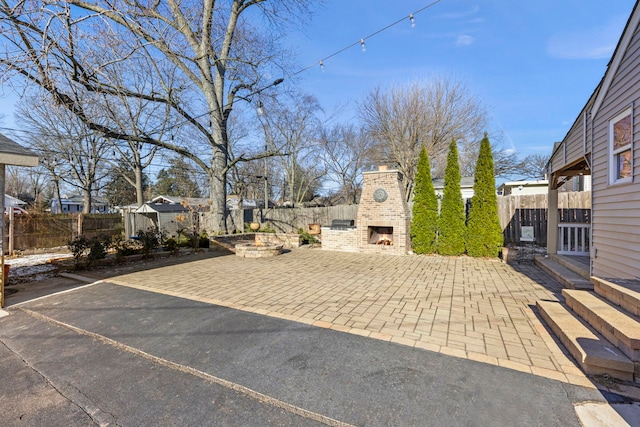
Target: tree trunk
{"points": [[218, 196], [139, 192], [86, 206], [56, 182]]}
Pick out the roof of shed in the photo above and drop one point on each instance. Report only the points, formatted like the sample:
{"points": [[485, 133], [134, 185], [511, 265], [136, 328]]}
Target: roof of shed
{"points": [[161, 208]]}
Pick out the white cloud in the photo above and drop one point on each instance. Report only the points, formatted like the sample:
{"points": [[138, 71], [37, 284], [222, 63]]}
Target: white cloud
{"points": [[588, 43], [464, 40], [461, 14]]}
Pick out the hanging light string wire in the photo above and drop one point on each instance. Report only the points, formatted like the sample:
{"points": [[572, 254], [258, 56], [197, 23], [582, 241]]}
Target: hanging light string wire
{"points": [[361, 40]]}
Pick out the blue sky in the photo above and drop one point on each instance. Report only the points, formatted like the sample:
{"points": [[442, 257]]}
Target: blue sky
{"points": [[532, 64]]}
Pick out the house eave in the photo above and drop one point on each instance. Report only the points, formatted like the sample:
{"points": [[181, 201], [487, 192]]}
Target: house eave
{"points": [[18, 160], [616, 59]]}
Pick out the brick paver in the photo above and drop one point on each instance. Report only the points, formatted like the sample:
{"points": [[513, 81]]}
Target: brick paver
{"points": [[478, 309]]}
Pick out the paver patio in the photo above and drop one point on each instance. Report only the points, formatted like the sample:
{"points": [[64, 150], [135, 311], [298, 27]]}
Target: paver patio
{"points": [[478, 309]]}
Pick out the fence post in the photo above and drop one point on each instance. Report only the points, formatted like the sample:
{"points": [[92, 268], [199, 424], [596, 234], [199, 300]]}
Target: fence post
{"points": [[78, 226], [11, 214]]}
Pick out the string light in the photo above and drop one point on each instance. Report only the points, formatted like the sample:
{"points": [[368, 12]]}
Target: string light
{"points": [[362, 45], [361, 41]]}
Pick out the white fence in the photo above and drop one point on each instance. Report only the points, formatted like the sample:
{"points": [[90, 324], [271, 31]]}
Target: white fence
{"points": [[573, 239]]}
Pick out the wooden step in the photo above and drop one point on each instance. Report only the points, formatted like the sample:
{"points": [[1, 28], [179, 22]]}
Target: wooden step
{"points": [[562, 274], [622, 329], [594, 354], [625, 294]]}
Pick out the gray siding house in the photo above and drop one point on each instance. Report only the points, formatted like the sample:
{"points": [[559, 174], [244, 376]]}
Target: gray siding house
{"points": [[604, 142]]}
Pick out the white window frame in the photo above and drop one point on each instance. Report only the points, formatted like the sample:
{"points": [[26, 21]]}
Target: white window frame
{"points": [[613, 154]]}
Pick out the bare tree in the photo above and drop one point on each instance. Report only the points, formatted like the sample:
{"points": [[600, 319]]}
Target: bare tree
{"points": [[66, 143], [505, 160], [346, 154], [16, 183], [290, 130], [136, 117], [27, 184], [215, 53], [247, 179], [535, 166], [49, 162], [430, 113]]}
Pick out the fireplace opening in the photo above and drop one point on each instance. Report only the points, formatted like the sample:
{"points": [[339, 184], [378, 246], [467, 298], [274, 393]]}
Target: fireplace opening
{"points": [[381, 236]]}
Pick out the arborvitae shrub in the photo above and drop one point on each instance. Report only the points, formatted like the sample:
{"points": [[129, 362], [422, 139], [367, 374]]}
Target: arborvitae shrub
{"points": [[451, 223], [424, 223], [484, 233]]}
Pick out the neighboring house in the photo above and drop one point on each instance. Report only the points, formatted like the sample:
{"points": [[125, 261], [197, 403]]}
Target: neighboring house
{"points": [[75, 203], [466, 187], [604, 142], [12, 202], [540, 186], [519, 188]]}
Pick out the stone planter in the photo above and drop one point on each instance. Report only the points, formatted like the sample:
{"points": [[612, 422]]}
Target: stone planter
{"points": [[252, 250]]}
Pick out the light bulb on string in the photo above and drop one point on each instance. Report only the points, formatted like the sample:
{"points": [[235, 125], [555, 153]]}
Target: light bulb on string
{"points": [[412, 20], [363, 46], [321, 66]]}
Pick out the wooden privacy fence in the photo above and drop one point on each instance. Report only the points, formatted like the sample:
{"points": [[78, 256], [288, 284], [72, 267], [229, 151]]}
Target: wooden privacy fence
{"points": [[29, 231], [284, 220], [531, 210], [291, 219]]}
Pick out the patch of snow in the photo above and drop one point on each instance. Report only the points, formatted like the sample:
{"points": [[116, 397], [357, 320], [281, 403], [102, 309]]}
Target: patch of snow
{"points": [[32, 265], [31, 260]]}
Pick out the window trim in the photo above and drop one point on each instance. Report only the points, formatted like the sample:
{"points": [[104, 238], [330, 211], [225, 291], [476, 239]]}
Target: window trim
{"points": [[613, 154]]}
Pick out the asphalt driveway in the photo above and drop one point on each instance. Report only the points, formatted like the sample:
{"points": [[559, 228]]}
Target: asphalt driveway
{"points": [[122, 356]]}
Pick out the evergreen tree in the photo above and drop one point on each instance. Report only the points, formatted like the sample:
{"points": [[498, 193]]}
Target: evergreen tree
{"points": [[121, 191], [424, 224], [484, 237], [451, 223], [177, 180]]}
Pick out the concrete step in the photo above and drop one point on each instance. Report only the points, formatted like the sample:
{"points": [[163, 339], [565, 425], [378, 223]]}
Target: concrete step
{"points": [[620, 328], [574, 264], [562, 274], [625, 294], [594, 354]]}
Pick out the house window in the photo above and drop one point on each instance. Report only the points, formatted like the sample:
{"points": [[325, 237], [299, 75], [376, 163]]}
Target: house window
{"points": [[620, 141]]}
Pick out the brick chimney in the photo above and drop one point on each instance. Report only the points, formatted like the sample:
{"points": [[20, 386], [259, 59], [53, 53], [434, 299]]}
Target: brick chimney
{"points": [[383, 214]]}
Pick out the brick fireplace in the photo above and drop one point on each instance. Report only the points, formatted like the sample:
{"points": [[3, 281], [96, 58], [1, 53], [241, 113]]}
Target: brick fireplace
{"points": [[382, 223]]}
